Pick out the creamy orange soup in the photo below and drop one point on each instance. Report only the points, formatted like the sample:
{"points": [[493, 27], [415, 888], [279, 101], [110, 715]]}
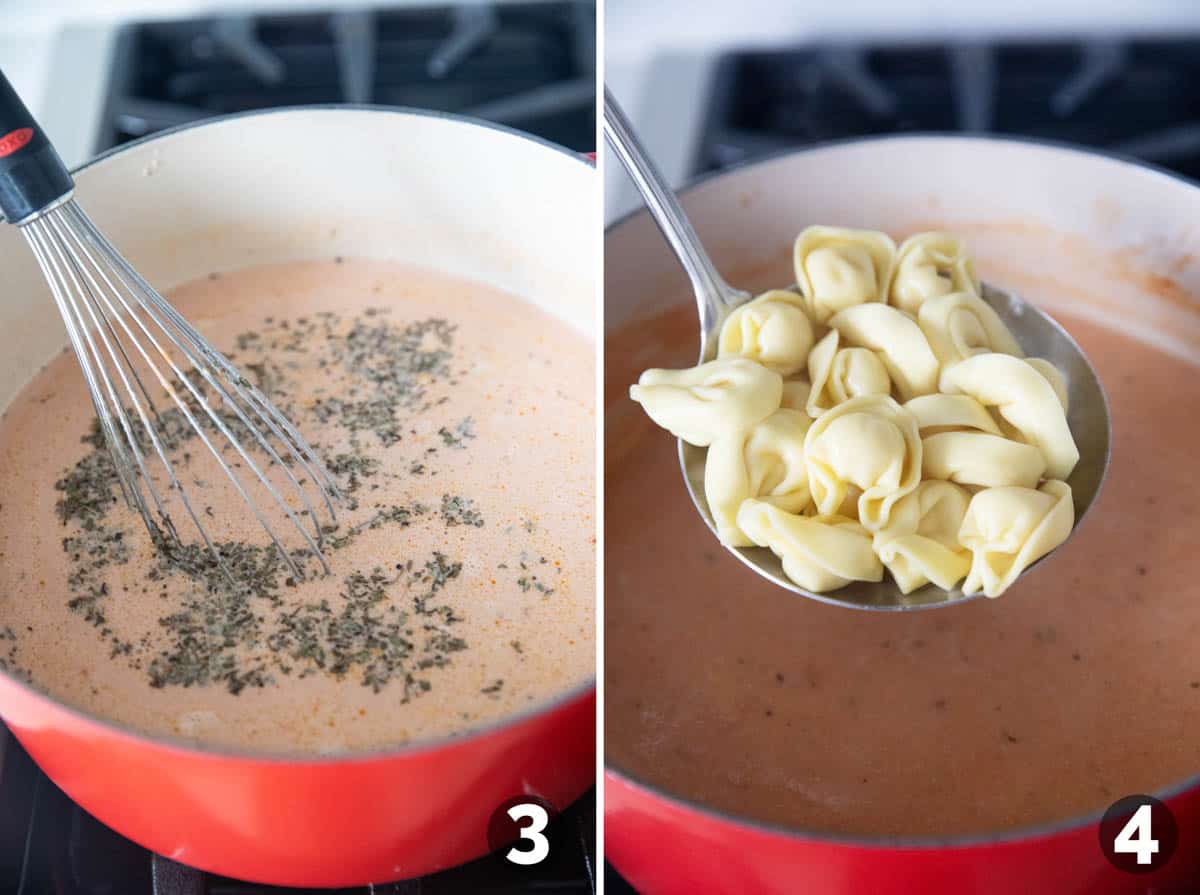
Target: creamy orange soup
{"points": [[457, 420], [1080, 685]]}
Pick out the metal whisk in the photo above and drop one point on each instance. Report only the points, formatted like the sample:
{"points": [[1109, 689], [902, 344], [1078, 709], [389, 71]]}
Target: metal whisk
{"points": [[125, 334]]}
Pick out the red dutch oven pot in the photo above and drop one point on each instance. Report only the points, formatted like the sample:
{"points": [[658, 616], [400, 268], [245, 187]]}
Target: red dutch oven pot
{"points": [[664, 846], [1111, 228], [295, 184]]}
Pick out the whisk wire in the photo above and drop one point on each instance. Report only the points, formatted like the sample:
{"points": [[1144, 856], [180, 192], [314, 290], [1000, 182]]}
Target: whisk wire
{"points": [[202, 401], [101, 297], [102, 325], [93, 294], [192, 354], [278, 424], [258, 404], [55, 269]]}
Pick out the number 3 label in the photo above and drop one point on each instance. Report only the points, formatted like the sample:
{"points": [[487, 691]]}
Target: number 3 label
{"points": [[1138, 834], [532, 832], [1136, 837]]}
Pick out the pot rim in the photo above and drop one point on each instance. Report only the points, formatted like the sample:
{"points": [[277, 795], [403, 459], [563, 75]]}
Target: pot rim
{"points": [[557, 702], [335, 107], [1064, 146], [923, 843]]}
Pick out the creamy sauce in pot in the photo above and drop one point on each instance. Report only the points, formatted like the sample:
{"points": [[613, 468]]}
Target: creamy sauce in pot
{"points": [[457, 420], [1080, 685]]}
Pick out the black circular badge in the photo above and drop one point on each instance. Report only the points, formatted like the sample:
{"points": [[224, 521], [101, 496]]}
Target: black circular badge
{"points": [[519, 830], [1138, 834]]}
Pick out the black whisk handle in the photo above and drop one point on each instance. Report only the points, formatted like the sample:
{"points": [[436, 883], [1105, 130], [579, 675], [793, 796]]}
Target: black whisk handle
{"points": [[32, 176]]}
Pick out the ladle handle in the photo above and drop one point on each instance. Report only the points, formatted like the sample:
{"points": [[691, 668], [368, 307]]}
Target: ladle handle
{"points": [[712, 292]]}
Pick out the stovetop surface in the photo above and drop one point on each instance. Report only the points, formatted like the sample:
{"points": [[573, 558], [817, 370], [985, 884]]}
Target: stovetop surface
{"points": [[51, 846], [1138, 96], [530, 66]]}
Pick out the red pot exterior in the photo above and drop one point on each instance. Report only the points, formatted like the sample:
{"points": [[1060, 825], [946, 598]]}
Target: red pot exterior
{"points": [[308, 823], [665, 848]]}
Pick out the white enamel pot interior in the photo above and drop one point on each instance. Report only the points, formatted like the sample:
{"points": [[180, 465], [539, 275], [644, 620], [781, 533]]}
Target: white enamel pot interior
{"points": [[313, 183]]}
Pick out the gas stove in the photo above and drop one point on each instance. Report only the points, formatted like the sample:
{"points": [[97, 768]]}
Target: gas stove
{"points": [[51, 846], [1136, 96], [530, 66]]}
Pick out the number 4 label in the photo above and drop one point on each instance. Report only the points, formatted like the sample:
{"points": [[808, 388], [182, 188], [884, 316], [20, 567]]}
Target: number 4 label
{"points": [[533, 832], [1136, 837], [1138, 834]]}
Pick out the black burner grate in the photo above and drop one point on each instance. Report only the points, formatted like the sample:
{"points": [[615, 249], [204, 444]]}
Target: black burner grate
{"points": [[530, 66], [1136, 96]]}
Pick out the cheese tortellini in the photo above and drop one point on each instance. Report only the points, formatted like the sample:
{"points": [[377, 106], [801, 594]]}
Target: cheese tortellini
{"points": [[1024, 398], [868, 448], [839, 374], [1052, 375], [795, 394], [700, 403], [819, 553], [977, 458], [946, 413], [929, 265], [923, 442], [1008, 529], [773, 329], [838, 268], [962, 324], [901, 345], [920, 543], [766, 462]]}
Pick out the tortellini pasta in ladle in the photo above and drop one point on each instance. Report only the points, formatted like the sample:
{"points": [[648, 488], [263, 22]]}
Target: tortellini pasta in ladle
{"points": [[923, 443], [962, 324], [766, 462], [1024, 397], [899, 342], [929, 265], [773, 329], [1008, 529], [795, 394], [838, 268], [819, 553], [948, 413], [1053, 376], [700, 403], [920, 543], [869, 447], [841, 373], [978, 458]]}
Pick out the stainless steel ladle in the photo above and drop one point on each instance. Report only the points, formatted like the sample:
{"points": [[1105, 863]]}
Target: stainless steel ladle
{"points": [[1038, 334]]}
